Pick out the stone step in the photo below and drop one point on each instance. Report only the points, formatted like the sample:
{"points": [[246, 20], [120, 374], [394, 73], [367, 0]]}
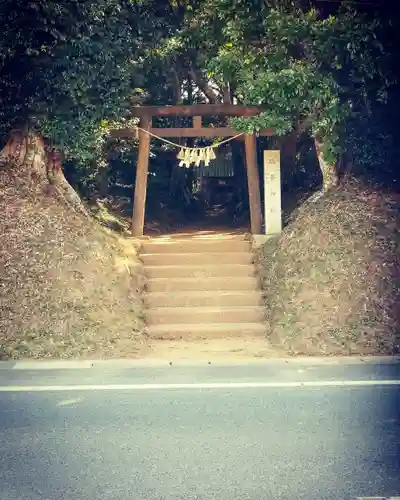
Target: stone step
{"points": [[211, 284], [196, 246], [222, 270], [203, 299], [203, 315], [197, 259], [206, 331]]}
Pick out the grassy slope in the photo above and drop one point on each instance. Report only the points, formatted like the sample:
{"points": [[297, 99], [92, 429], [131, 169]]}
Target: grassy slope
{"points": [[68, 287], [332, 279]]}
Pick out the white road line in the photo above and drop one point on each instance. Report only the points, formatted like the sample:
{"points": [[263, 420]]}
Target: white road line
{"points": [[378, 498], [372, 498], [201, 385]]}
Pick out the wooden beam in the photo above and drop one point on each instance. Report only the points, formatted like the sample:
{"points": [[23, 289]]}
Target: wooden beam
{"points": [[139, 202], [197, 110], [188, 132], [253, 182]]}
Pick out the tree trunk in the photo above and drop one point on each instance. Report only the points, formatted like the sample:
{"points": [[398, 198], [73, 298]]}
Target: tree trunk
{"points": [[35, 167], [203, 85], [329, 171]]}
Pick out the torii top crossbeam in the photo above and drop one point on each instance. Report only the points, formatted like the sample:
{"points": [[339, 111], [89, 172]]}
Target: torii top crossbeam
{"points": [[197, 110]]}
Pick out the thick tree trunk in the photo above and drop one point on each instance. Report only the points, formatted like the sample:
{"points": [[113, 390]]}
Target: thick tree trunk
{"points": [[27, 159], [329, 171]]}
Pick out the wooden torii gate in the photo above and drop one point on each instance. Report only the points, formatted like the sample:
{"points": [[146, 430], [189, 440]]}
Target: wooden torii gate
{"points": [[197, 111]]}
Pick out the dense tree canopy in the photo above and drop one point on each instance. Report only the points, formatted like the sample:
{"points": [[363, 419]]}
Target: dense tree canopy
{"points": [[322, 73], [73, 69], [66, 66]]}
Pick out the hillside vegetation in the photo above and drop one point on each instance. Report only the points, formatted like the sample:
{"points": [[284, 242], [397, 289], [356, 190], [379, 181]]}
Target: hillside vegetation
{"points": [[332, 279], [69, 287]]}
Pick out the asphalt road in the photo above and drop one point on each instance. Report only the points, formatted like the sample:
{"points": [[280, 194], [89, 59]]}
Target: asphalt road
{"points": [[247, 432]]}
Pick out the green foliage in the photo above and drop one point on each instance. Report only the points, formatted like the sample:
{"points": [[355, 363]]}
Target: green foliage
{"points": [[307, 71], [71, 68], [296, 74]]}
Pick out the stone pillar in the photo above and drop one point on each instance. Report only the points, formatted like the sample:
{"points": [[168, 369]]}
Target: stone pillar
{"points": [[272, 192]]}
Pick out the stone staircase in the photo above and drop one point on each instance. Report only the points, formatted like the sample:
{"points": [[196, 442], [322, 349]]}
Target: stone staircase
{"points": [[201, 288]]}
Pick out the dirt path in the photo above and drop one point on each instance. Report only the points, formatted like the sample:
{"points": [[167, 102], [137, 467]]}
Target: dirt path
{"points": [[215, 220]]}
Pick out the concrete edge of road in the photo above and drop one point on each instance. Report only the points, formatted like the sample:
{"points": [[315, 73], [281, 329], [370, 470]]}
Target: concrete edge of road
{"points": [[145, 363]]}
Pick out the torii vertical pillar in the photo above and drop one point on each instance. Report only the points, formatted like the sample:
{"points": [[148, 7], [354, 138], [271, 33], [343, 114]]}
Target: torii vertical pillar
{"points": [[253, 182], [139, 201]]}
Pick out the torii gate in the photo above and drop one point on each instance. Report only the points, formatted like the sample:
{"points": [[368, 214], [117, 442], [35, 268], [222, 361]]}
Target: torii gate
{"points": [[197, 111]]}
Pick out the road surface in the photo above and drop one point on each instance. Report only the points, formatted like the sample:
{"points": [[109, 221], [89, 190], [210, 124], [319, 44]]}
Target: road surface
{"points": [[272, 430]]}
